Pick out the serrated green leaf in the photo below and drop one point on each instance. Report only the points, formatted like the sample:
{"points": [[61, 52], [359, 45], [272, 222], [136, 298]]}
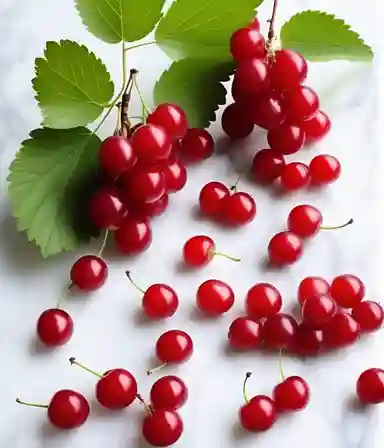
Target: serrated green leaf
{"points": [[322, 37], [195, 85], [51, 179], [201, 28], [114, 21], [72, 86]]}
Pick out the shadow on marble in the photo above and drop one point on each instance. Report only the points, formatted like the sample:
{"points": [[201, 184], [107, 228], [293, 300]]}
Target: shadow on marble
{"points": [[261, 352], [49, 434], [195, 315], [142, 321], [139, 443], [240, 434], [37, 348]]}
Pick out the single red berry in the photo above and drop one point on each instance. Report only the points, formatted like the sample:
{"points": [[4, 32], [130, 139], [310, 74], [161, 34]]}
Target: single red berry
{"points": [[210, 198], [175, 175], [369, 315], [106, 209], [162, 427], [318, 310], [54, 327], [176, 150], [300, 103], [236, 121], [259, 414], [174, 346], [347, 290], [169, 392], [239, 96], [267, 166], [143, 184], [255, 24], [89, 273], [341, 331], [286, 138], [288, 70], [324, 169], [215, 297], [116, 156], [312, 287], [279, 331], [238, 209], [285, 248], [291, 395], [135, 127], [171, 118], [251, 76], [266, 111], [151, 143], [247, 43], [263, 300], [304, 220], [316, 128], [307, 341], [197, 145], [134, 236], [117, 389], [244, 334], [370, 386], [152, 209], [294, 176]]}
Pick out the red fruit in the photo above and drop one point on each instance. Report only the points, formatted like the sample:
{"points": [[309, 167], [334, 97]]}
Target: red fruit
{"points": [[244, 334], [308, 341], [294, 176], [89, 273], [370, 386], [210, 198], [251, 76], [284, 248], [151, 143], [288, 70], [197, 145], [174, 346], [300, 103], [135, 127], [145, 184], [312, 287], [236, 121], [267, 166], [343, 330], [369, 315], [279, 331], [255, 24], [171, 118], [169, 392], [263, 300], [117, 389], [134, 236], [259, 414], [247, 43], [238, 209], [162, 427], [266, 111], [316, 128], [175, 175], [304, 220], [152, 209], [54, 327], [286, 138], [215, 297], [291, 395], [347, 290], [318, 311], [116, 156], [324, 169], [106, 209]]}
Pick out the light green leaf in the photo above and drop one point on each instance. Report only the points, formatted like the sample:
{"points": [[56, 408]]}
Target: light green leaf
{"points": [[72, 85], [322, 37], [114, 21], [51, 180], [202, 28], [194, 85]]}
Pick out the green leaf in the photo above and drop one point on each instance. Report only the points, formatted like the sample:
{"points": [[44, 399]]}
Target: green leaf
{"points": [[195, 85], [114, 21], [51, 180], [72, 85], [322, 37], [202, 28]]}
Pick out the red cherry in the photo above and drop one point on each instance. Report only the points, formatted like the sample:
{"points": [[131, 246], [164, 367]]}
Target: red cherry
{"points": [[312, 287], [106, 209], [263, 300], [316, 128], [266, 111], [251, 76], [308, 341], [267, 166], [197, 145], [291, 395], [347, 290], [135, 127], [89, 273], [285, 248], [152, 209], [286, 138], [369, 315], [370, 386], [247, 43], [162, 427], [244, 334], [295, 175], [116, 155], [318, 310], [238, 209], [54, 327], [215, 297], [279, 331], [145, 184], [175, 175], [304, 220], [255, 24], [134, 236], [151, 143], [169, 392], [210, 198], [300, 103], [174, 347], [324, 169], [236, 121], [171, 118], [288, 69], [341, 331], [259, 414]]}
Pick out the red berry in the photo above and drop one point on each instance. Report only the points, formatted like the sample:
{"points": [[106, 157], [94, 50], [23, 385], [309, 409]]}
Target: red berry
{"points": [[259, 414], [304, 220], [294, 176], [68, 409], [169, 392], [347, 290], [197, 145], [251, 76], [135, 127], [236, 121], [106, 209], [267, 166], [285, 248], [210, 198], [152, 209], [244, 334], [263, 300], [291, 395], [174, 346], [145, 184], [316, 128], [89, 273], [151, 143], [55, 327], [370, 386], [279, 331], [343, 330], [247, 43], [288, 70], [369, 314], [324, 169], [175, 175], [300, 103], [255, 24], [116, 156], [117, 389], [266, 111], [199, 251], [163, 427], [134, 236], [215, 297], [286, 138], [176, 150], [171, 118], [238, 209], [312, 287], [318, 311], [308, 341]]}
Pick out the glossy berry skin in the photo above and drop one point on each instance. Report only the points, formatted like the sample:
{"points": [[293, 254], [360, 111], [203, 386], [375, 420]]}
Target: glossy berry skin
{"points": [[266, 111], [316, 128], [89, 273], [163, 427], [286, 138], [279, 331], [300, 103], [144, 184], [342, 331], [263, 300], [284, 248], [236, 121], [304, 220], [151, 143], [369, 314], [267, 166], [244, 334], [171, 118], [211, 197], [259, 414], [117, 389], [169, 392], [288, 70], [174, 346], [68, 409], [247, 43], [318, 311], [370, 386], [347, 290], [251, 76], [106, 209], [294, 176], [214, 297], [238, 209], [160, 301], [198, 251], [291, 395], [324, 169], [307, 341], [134, 236], [54, 327], [152, 209], [175, 175], [312, 287], [197, 145], [255, 24], [116, 156]]}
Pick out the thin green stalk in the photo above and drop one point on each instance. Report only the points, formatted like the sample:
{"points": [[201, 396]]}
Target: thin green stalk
{"points": [[145, 44]]}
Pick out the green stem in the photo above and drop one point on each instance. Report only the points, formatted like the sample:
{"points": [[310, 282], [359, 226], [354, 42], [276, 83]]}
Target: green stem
{"points": [[247, 376], [145, 44], [128, 274], [337, 227], [100, 253], [93, 372], [156, 369], [145, 109], [281, 369], [64, 294], [34, 405], [221, 254]]}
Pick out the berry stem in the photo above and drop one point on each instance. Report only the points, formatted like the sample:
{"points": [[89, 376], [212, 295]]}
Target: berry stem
{"points": [[93, 372], [34, 405], [281, 368], [337, 227], [233, 187], [271, 31], [156, 369], [147, 406], [247, 376], [146, 110], [221, 254], [104, 243], [128, 274], [64, 295], [145, 44]]}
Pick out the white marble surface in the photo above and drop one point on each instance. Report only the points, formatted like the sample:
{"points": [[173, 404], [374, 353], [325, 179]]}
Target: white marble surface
{"points": [[108, 330]]}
